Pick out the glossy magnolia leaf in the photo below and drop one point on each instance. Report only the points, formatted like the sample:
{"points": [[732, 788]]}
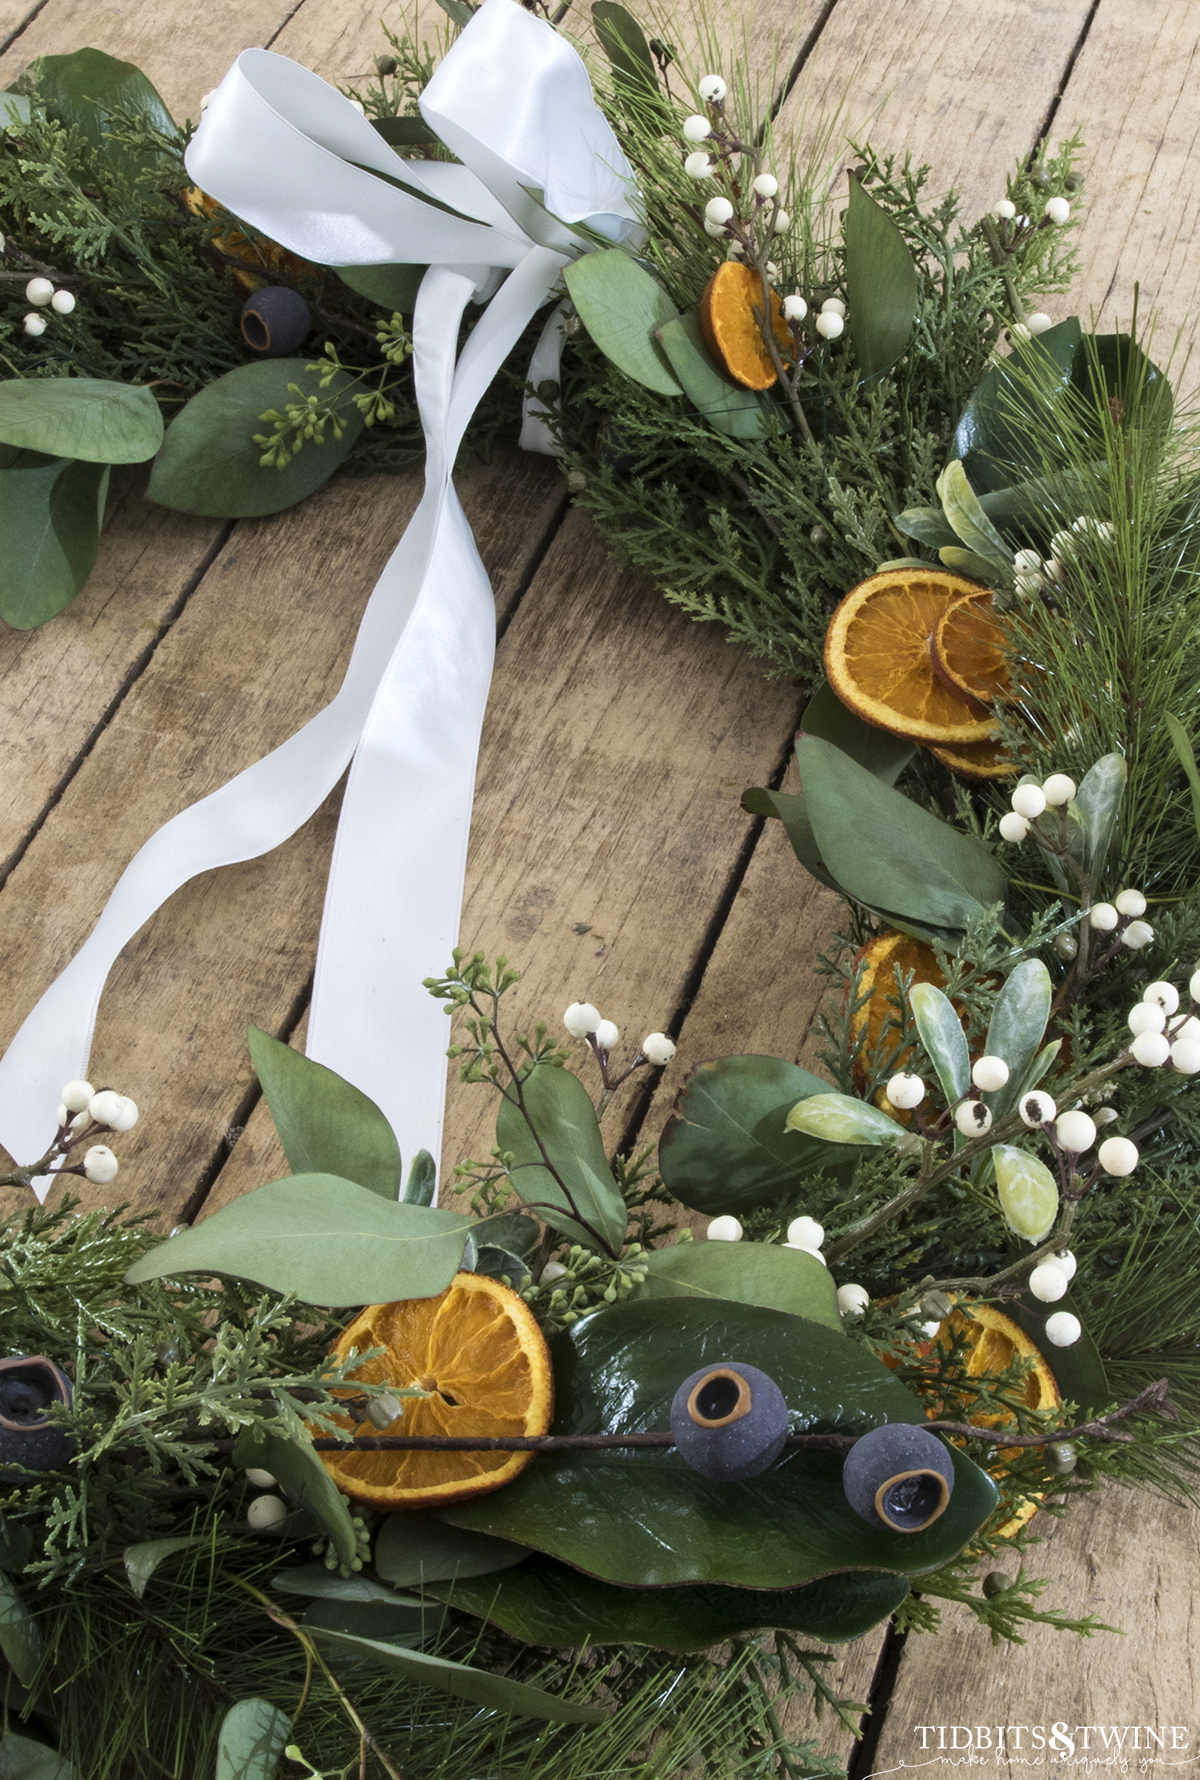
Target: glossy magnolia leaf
{"points": [[1112, 369], [1098, 801], [965, 513], [23, 1759], [746, 1272], [942, 1035], [839, 1118], [644, 1519], [254, 1734], [394, 288], [622, 307], [327, 1240], [1016, 1029], [51, 511], [881, 284], [887, 851], [477, 1685], [1187, 760], [87, 418], [305, 1481], [882, 754], [325, 1124], [1027, 1191], [728, 406], [88, 90], [209, 463], [545, 1602], [726, 1147], [624, 43], [994, 439], [1079, 1369], [20, 1637], [565, 1122], [414, 1548], [141, 1561]]}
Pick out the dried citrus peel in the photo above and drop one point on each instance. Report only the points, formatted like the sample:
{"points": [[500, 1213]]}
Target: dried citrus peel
{"points": [[733, 332]]}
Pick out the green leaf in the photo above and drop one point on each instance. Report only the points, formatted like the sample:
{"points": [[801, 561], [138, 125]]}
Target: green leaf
{"points": [[1027, 1190], [87, 418], [51, 511], [1187, 760], [508, 1230], [1112, 368], [421, 1186], [87, 90], [728, 406], [317, 1583], [1016, 1029], [746, 1273], [888, 852], [23, 1759], [252, 1740], [968, 563], [881, 284], [839, 1118], [141, 1561], [304, 1480], [622, 307], [1079, 1369], [882, 754], [414, 1548], [1098, 802], [327, 1240], [995, 438], [645, 1519], [16, 1545], [464, 1683], [20, 1638], [941, 1032], [400, 132], [209, 463], [565, 1121], [971, 524], [726, 1148], [545, 1602], [460, 12], [325, 1124], [14, 111], [792, 811], [403, 1623], [928, 525], [624, 43], [394, 288]]}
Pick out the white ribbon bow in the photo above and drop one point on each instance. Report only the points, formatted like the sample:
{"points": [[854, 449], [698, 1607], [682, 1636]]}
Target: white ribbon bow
{"points": [[285, 152]]}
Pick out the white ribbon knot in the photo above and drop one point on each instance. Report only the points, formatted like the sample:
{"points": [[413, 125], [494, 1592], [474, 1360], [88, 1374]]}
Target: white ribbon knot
{"points": [[286, 153]]}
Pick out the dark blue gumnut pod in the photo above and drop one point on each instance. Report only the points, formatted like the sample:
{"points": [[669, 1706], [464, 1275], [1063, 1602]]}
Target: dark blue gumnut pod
{"points": [[898, 1477], [29, 1384], [275, 321], [729, 1421]]}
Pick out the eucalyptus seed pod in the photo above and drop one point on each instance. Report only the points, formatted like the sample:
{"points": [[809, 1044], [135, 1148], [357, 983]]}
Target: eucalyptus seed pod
{"points": [[995, 1583], [275, 321], [729, 1421], [29, 1385], [899, 1477]]}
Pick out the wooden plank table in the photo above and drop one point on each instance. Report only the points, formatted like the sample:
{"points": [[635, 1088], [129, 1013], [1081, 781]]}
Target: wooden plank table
{"points": [[609, 856]]}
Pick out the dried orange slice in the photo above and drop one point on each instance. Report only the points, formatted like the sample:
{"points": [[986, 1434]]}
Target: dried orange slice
{"points": [[478, 1347], [969, 648], [884, 959], [977, 760], [878, 657], [731, 329]]}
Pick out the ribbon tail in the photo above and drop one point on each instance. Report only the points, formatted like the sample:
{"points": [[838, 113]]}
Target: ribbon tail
{"points": [[544, 367]]}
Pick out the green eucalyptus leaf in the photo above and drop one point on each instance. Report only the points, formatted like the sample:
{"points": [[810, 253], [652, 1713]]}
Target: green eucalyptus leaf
{"points": [[88, 90], [792, 811], [745, 1272], [304, 1480], [728, 406], [622, 307], [839, 1118], [942, 1034], [564, 1121], [413, 1549], [209, 463], [394, 288], [881, 284], [460, 12], [327, 1240], [1016, 1029], [509, 1230], [882, 754], [14, 111], [142, 1560], [253, 1736], [928, 525], [421, 1186], [1098, 802], [23, 1759], [726, 1148], [888, 852], [1037, 1069], [968, 563], [1027, 1190], [624, 43], [404, 1623], [965, 513], [325, 1124], [317, 1583], [51, 511], [996, 437], [479, 1686], [20, 1636], [1187, 760], [88, 418], [545, 1602], [643, 1518]]}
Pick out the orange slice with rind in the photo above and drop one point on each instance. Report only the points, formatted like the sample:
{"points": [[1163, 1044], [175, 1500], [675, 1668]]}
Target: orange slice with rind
{"points": [[969, 648], [885, 959], [878, 658], [977, 760], [732, 331], [477, 1348]]}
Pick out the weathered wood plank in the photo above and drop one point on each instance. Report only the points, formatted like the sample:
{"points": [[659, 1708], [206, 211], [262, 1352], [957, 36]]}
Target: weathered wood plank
{"points": [[15, 16]]}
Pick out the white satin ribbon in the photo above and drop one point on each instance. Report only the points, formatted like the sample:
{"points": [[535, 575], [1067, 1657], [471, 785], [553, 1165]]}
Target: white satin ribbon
{"points": [[284, 151]]}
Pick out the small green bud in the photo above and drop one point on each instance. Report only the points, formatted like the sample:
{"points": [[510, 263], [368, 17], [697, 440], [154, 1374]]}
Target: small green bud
{"points": [[385, 65], [1063, 1458], [995, 1583], [610, 1296]]}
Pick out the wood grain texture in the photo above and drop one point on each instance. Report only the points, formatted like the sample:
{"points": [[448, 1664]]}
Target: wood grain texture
{"points": [[16, 16]]}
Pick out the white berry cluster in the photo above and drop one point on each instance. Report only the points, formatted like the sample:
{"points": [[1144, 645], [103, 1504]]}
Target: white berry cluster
{"points": [[81, 1111], [43, 295], [582, 1020], [1030, 801], [1162, 1032]]}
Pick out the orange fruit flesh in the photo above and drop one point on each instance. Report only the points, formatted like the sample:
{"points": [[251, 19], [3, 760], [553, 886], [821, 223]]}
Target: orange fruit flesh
{"points": [[885, 958], [732, 331], [968, 647], [478, 1348], [878, 657]]}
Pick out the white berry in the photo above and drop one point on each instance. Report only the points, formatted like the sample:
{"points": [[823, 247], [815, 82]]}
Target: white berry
{"points": [[657, 1048], [833, 306], [1105, 1115], [1118, 1155], [696, 128], [718, 210], [973, 1118], [76, 1096], [106, 1107], [766, 185], [782, 221], [99, 1164], [1048, 1282], [1005, 210], [1039, 322], [266, 1512], [550, 1272], [712, 88], [989, 1074], [35, 324], [39, 291], [1013, 828], [1102, 917], [1130, 902], [794, 307], [806, 1233], [830, 326], [1145, 1017], [1074, 1131], [1029, 801], [1137, 935], [581, 1018], [62, 302], [1185, 1055], [726, 1229], [1194, 986], [698, 165], [1027, 562], [1057, 210], [853, 1300], [1037, 1108], [1059, 788], [1064, 1259], [1063, 1329], [262, 1480], [905, 1091], [1151, 1049], [127, 1118], [1164, 995], [606, 1035]]}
